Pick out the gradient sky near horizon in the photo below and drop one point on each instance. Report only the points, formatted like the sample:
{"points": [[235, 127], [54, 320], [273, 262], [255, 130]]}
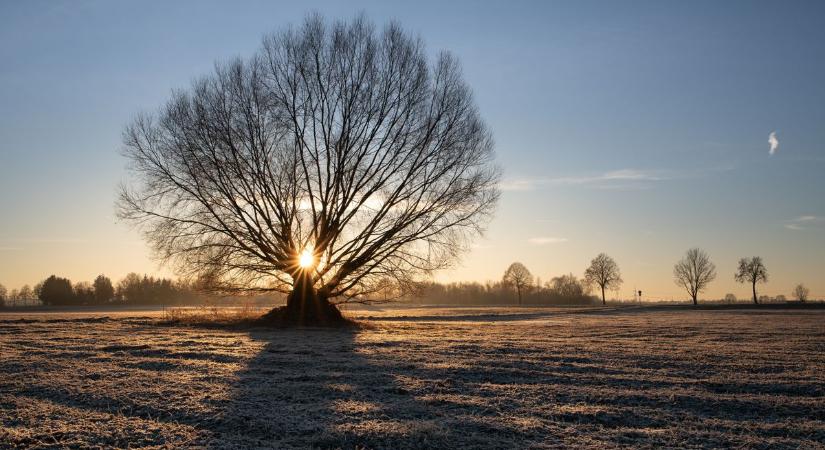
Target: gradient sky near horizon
{"points": [[639, 129]]}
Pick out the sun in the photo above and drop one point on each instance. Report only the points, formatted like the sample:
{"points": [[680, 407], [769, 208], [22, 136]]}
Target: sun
{"points": [[306, 260]]}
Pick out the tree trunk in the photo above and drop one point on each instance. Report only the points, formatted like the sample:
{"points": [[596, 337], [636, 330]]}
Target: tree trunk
{"points": [[305, 306], [755, 302], [694, 300], [518, 289], [604, 302]]}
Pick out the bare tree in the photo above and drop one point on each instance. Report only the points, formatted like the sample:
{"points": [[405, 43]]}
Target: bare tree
{"points": [[3, 294], [604, 272], [801, 292], [334, 159], [519, 277], [753, 271], [26, 293], [694, 272], [568, 287], [730, 298]]}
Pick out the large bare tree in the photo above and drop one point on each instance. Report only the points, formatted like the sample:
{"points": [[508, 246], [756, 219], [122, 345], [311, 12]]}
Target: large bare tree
{"points": [[753, 271], [518, 277], [336, 160], [604, 272], [694, 272]]}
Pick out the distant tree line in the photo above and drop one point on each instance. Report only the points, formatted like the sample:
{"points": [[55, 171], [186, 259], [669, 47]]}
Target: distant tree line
{"points": [[133, 289], [694, 272], [561, 290]]}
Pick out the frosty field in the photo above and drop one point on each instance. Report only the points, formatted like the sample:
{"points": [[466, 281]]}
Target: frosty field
{"points": [[419, 378]]}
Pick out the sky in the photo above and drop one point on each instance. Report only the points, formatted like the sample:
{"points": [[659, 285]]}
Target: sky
{"points": [[638, 129]]}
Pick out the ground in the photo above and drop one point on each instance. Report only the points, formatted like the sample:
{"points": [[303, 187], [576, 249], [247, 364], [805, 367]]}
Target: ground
{"points": [[457, 378]]}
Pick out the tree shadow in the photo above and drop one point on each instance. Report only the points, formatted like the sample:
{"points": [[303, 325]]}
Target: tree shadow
{"points": [[322, 388], [334, 389]]}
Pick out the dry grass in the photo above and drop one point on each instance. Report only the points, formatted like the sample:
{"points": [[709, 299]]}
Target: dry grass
{"points": [[600, 380], [212, 315]]}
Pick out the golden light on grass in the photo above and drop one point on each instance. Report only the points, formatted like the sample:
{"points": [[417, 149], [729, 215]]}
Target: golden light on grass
{"points": [[306, 260]]}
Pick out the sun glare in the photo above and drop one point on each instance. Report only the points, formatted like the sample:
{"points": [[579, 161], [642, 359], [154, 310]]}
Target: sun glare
{"points": [[306, 260]]}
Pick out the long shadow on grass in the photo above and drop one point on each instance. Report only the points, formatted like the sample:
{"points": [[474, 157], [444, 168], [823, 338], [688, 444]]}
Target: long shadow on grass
{"points": [[324, 388], [321, 388]]}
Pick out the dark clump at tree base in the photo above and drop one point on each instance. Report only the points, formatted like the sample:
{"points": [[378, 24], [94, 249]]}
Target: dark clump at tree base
{"points": [[322, 315], [313, 311], [305, 307]]}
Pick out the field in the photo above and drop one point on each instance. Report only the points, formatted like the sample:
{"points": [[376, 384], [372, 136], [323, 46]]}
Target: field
{"points": [[457, 378]]}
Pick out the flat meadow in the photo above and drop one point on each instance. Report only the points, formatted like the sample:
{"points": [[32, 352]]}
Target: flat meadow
{"points": [[425, 377]]}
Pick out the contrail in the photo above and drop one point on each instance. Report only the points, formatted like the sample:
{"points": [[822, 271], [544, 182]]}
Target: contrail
{"points": [[774, 142]]}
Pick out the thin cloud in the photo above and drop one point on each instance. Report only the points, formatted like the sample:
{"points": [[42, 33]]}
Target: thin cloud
{"points": [[805, 223], [773, 141], [543, 240], [612, 179]]}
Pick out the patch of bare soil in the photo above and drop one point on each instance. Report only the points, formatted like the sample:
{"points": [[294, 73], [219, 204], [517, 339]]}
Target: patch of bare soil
{"points": [[618, 379]]}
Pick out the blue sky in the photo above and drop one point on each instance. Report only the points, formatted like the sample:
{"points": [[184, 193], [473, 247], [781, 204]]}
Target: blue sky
{"points": [[635, 128]]}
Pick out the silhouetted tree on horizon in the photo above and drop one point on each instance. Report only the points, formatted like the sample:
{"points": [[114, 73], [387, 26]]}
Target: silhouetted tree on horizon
{"points": [[604, 272], [25, 293], [801, 292], [694, 272], [57, 291], [519, 277], [3, 294], [334, 159], [84, 293], [753, 271], [567, 286], [104, 291]]}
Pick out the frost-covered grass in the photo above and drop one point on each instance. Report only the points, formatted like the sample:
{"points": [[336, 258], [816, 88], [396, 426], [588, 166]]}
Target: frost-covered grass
{"points": [[420, 378]]}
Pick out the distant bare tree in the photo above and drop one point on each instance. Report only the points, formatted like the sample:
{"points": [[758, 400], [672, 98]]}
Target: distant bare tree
{"points": [[519, 277], [752, 270], [567, 286], [801, 292], [694, 272], [730, 298], [26, 293], [334, 159], [3, 294], [84, 293], [604, 272]]}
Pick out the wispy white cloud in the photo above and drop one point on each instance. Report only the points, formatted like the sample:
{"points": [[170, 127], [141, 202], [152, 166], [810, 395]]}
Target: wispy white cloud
{"points": [[610, 179], [805, 223], [773, 141], [544, 240]]}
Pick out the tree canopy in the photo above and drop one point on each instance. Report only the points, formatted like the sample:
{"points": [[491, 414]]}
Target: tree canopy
{"points": [[336, 142], [604, 272]]}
